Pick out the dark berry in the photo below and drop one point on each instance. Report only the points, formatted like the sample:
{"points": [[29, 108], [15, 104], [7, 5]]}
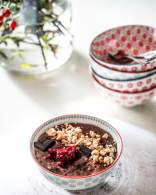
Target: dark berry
{"points": [[6, 12], [13, 25], [1, 23], [86, 151]]}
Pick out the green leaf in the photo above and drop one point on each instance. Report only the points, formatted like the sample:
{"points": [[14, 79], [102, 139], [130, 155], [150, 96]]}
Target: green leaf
{"points": [[3, 55], [26, 65]]}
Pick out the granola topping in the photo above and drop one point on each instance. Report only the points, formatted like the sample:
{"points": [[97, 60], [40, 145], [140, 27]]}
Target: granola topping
{"points": [[98, 149]]}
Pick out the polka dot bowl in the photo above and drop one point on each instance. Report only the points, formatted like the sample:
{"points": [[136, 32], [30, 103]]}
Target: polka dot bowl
{"points": [[116, 74], [77, 183], [126, 99], [132, 39], [133, 85]]}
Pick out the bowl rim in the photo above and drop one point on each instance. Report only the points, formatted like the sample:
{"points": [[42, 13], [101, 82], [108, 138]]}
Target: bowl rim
{"points": [[118, 91], [116, 27], [74, 177], [125, 80], [121, 71]]}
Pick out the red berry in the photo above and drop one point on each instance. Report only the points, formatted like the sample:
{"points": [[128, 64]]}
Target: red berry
{"points": [[6, 12], [51, 150], [63, 155], [1, 18], [13, 25]]}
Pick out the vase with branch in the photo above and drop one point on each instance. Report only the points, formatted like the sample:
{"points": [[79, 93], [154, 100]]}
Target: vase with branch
{"points": [[34, 35]]}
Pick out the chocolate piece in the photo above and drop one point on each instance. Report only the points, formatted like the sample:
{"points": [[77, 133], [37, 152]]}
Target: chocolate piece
{"points": [[86, 151], [49, 143], [43, 138], [43, 146], [39, 145]]}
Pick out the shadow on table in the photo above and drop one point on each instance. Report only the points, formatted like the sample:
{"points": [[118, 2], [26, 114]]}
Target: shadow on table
{"points": [[72, 84], [69, 83], [143, 115]]}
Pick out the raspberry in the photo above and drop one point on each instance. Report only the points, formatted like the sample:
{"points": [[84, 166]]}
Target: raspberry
{"points": [[13, 25], [51, 150], [63, 155], [6, 12]]}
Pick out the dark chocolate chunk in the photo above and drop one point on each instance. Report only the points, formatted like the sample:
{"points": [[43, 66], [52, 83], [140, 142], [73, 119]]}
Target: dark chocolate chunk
{"points": [[43, 146], [39, 145], [48, 143], [86, 151], [43, 138]]}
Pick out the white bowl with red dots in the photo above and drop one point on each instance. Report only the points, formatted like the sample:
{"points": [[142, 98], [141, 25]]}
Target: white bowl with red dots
{"points": [[133, 85], [112, 73], [127, 99], [132, 39], [77, 183]]}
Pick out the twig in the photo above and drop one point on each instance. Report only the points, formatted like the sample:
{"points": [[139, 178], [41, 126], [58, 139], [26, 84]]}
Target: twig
{"points": [[42, 50]]}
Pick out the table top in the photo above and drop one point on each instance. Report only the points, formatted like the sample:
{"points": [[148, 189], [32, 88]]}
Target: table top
{"points": [[26, 102], [134, 175]]}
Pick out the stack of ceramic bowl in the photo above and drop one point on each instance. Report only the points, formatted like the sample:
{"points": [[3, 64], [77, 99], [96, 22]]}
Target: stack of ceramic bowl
{"points": [[130, 83]]}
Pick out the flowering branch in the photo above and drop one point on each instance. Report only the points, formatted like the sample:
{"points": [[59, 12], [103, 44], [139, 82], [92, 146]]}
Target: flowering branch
{"points": [[35, 13]]}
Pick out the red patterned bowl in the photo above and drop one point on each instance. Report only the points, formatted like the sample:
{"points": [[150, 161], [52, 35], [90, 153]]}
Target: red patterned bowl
{"points": [[134, 85], [124, 98], [111, 73], [132, 39]]}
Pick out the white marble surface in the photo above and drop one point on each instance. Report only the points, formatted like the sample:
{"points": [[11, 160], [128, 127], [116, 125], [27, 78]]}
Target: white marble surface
{"points": [[26, 102]]}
